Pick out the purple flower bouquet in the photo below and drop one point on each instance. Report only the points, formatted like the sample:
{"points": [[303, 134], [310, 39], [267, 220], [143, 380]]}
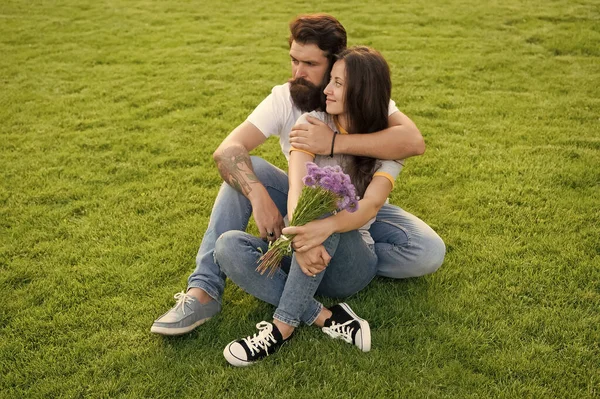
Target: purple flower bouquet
{"points": [[326, 190]]}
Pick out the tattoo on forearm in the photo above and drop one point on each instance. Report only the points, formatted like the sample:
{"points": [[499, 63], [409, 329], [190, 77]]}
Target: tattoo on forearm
{"points": [[235, 168]]}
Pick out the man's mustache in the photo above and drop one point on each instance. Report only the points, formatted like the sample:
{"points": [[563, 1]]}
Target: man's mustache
{"points": [[302, 82]]}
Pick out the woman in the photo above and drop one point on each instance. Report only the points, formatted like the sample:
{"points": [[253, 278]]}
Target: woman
{"points": [[358, 97]]}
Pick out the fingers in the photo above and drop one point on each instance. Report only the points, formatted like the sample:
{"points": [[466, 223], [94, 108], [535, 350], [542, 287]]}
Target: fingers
{"points": [[310, 268], [298, 142], [299, 146], [299, 129], [290, 230], [315, 269], [302, 244], [293, 230], [268, 219], [270, 233], [262, 231], [297, 243], [306, 270], [326, 257], [312, 271], [302, 247], [277, 231], [318, 267], [298, 247]]}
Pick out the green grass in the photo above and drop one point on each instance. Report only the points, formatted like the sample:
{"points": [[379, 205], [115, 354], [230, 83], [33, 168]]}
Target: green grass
{"points": [[109, 114]]}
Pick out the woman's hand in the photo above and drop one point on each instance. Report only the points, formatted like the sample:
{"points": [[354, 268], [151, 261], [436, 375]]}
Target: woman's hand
{"points": [[310, 235], [314, 261]]}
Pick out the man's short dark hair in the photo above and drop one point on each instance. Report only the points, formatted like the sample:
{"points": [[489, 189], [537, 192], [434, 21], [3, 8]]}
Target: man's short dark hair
{"points": [[321, 29]]}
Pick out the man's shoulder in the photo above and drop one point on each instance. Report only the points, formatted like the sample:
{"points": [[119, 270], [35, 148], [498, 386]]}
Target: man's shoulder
{"points": [[281, 98], [272, 116], [282, 91]]}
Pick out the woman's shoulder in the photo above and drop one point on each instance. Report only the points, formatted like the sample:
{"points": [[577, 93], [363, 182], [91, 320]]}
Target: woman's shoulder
{"points": [[322, 116], [318, 114]]}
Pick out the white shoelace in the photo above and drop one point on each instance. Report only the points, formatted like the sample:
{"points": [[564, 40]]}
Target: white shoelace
{"points": [[343, 331], [263, 340], [182, 299]]}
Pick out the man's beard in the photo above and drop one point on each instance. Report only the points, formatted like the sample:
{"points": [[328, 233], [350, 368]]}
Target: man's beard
{"points": [[307, 96]]}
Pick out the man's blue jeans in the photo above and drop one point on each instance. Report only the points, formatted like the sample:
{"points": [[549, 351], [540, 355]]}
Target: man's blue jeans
{"points": [[405, 246], [353, 265]]}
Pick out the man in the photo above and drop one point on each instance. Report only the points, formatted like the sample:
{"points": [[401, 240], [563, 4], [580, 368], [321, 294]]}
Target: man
{"points": [[405, 246]]}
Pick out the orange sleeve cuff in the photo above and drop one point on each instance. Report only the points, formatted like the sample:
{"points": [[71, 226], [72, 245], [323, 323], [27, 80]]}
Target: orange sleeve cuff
{"points": [[304, 151]]}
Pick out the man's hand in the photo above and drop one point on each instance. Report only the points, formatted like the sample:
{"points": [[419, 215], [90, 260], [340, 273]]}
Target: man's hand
{"points": [[314, 137], [314, 261], [310, 235], [267, 217]]}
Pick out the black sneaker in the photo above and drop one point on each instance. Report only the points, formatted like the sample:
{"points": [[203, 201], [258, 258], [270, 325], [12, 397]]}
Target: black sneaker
{"points": [[246, 351], [345, 324]]}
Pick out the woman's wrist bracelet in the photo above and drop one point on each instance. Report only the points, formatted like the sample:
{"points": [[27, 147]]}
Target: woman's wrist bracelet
{"points": [[332, 144]]}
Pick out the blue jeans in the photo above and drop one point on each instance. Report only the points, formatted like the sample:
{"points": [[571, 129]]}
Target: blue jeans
{"points": [[352, 267], [405, 246]]}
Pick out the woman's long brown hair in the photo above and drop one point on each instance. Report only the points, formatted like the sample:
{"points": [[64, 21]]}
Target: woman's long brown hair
{"points": [[367, 98]]}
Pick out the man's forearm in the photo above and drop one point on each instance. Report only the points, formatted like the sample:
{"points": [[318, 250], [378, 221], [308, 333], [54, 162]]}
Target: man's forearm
{"points": [[235, 167], [396, 142]]}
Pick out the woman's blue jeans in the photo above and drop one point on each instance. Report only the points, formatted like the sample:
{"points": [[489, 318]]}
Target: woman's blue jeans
{"points": [[352, 267], [405, 246]]}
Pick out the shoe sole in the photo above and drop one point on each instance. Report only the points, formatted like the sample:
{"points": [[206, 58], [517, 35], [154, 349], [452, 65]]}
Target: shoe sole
{"points": [[365, 330], [170, 331]]}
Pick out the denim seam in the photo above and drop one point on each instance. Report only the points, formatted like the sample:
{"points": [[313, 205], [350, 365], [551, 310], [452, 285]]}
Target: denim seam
{"points": [[283, 319], [408, 236], [314, 316], [392, 248], [309, 298]]}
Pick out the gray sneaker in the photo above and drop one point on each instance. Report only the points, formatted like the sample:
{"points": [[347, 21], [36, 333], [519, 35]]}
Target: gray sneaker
{"points": [[187, 314]]}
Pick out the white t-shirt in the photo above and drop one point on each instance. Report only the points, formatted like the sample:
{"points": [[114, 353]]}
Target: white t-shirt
{"points": [[276, 115]]}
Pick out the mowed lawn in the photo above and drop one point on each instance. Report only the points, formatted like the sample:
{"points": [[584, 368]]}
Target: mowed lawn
{"points": [[110, 112]]}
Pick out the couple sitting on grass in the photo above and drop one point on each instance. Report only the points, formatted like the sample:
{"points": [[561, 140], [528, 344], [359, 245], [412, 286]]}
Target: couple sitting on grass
{"points": [[336, 256]]}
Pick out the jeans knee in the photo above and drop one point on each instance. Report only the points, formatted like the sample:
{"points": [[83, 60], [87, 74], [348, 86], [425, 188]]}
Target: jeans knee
{"points": [[436, 252], [225, 247], [423, 256]]}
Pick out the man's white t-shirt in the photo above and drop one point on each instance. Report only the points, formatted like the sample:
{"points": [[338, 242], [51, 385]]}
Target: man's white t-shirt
{"points": [[277, 114]]}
